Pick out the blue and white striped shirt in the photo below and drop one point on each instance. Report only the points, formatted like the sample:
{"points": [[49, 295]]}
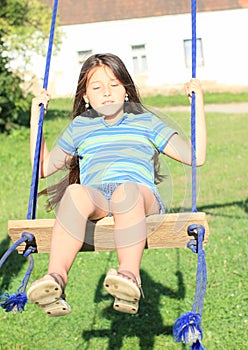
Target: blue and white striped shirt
{"points": [[118, 153]]}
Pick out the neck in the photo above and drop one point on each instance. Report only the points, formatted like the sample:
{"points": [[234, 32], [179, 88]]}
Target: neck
{"points": [[114, 118]]}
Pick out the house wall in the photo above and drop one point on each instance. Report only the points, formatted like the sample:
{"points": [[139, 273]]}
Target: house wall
{"points": [[223, 35]]}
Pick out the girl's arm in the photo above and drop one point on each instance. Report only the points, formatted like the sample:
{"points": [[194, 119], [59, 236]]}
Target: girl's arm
{"points": [[179, 149], [52, 161]]}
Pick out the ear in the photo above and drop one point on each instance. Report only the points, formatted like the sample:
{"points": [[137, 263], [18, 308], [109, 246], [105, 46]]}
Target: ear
{"points": [[86, 100]]}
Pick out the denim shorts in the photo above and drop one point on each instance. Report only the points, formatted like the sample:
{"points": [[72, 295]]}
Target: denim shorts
{"points": [[107, 189]]}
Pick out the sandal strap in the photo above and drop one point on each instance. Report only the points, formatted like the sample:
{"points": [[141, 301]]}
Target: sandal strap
{"points": [[60, 280], [129, 275]]}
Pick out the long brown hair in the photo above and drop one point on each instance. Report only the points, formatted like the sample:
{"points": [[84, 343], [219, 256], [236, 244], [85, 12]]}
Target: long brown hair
{"points": [[134, 105]]}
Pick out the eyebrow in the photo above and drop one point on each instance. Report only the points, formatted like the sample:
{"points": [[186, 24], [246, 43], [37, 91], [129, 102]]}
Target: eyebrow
{"points": [[99, 81]]}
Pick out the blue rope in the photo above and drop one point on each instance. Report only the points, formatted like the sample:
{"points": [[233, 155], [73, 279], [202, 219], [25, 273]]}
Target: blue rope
{"points": [[201, 276], [31, 214], [187, 328], [25, 237], [193, 128], [17, 302]]}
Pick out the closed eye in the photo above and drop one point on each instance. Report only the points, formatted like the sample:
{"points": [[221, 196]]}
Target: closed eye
{"points": [[115, 82]]}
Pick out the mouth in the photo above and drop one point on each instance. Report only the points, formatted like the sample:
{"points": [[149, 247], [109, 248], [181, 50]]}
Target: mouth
{"points": [[107, 103], [109, 108]]}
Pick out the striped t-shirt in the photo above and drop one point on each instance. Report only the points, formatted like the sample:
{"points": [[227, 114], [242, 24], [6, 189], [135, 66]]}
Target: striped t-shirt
{"points": [[118, 153]]}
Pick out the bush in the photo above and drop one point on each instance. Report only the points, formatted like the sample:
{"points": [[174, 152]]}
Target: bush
{"points": [[14, 105]]}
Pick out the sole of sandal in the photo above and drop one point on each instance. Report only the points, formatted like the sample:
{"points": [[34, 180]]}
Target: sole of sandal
{"points": [[129, 307], [58, 308], [121, 288], [44, 292]]}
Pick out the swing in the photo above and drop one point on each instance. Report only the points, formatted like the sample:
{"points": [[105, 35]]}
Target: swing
{"points": [[172, 230], [163, 231]]}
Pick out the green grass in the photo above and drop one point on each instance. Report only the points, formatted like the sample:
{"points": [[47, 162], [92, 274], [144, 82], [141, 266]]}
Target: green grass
{"points": [[181, 100], [168, 274]]}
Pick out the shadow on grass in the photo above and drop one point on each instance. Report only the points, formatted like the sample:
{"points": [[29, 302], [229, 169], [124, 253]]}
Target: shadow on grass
{"points": [[55, 113], [11, 267], [145, 325], [243, 204]]}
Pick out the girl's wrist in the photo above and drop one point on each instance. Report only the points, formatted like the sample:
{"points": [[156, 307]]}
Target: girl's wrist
{"points": [[34, 121]]}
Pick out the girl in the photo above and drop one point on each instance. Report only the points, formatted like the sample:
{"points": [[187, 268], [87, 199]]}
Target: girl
{"points": [[111, 149]]}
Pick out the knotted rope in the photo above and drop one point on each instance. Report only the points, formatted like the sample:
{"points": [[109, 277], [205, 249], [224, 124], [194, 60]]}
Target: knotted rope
{"points": [[187, 328], [16, 302]]}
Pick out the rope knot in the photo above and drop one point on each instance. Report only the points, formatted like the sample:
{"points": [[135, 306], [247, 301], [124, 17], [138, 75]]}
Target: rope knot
{"points": [[14, 302], [187, 329]]}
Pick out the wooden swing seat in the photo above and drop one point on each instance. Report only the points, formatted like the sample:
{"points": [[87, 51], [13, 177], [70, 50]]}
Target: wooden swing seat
{"points": [[163, 231]]}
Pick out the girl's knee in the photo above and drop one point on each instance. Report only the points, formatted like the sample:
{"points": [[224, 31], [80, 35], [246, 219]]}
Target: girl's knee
{"points": [[76, 198], [74, 188], [87, 199], [126, 190], [126, 197], [76, 191]]}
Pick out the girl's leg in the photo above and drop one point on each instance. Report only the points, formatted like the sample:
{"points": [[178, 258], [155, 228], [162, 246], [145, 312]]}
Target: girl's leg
{"points": [[77, 205], [130, 204]]}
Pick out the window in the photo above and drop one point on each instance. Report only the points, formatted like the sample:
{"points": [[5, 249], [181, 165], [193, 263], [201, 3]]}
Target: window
{"points": [[83, 55], [188, 54], [139, 59]]}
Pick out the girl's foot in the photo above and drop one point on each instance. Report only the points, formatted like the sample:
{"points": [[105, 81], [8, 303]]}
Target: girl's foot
{"points": [[123, 285], [48, 293]]}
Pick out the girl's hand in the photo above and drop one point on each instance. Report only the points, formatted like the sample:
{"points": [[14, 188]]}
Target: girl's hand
{"points": [[193, 85], [42, 99]]}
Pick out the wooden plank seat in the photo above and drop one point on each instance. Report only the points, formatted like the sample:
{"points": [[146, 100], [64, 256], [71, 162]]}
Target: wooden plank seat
{"points": [[163, 231]]}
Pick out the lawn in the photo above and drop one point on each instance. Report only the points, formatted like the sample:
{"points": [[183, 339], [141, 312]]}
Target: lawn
{"points": [[168, 275]]}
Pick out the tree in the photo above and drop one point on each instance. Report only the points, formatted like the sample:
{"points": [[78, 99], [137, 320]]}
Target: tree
{"points": [[12, 100], [24, 29]]}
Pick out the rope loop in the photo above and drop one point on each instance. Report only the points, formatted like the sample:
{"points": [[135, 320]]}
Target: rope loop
{"points": [[195, 230], [25, 238], [16, 302]]}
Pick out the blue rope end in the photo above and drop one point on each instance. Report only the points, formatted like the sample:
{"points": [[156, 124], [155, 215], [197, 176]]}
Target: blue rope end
{"points": [[187, 330], [197, 346], [14, 302]]}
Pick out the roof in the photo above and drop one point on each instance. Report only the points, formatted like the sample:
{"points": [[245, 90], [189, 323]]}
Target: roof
{"points": [[89, 11]]}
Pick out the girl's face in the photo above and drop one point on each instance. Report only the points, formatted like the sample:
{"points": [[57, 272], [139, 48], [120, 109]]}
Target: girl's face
{"points": [[105, 92]]}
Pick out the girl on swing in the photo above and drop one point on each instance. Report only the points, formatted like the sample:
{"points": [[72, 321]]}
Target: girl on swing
{"points": [[111, 149]]}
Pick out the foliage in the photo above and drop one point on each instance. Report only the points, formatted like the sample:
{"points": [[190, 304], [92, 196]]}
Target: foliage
{"points": [[13, 103], [25, 25], [24, 29]]}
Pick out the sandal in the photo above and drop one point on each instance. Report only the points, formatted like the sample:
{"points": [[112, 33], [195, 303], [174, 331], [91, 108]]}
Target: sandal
{"points": [[49, 295], [126, 289]]}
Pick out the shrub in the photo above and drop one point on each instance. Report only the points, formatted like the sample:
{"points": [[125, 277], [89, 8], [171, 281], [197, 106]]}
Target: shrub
{"points": [[14, 105]]}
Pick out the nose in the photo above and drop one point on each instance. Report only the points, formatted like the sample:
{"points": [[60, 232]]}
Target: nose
{"points": [[106, 90]]}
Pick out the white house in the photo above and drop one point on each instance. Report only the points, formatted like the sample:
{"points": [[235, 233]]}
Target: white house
{"points": [[153, 38]]}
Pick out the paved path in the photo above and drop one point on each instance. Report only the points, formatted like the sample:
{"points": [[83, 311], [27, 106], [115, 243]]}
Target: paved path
{"points": [[236, 108]]}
